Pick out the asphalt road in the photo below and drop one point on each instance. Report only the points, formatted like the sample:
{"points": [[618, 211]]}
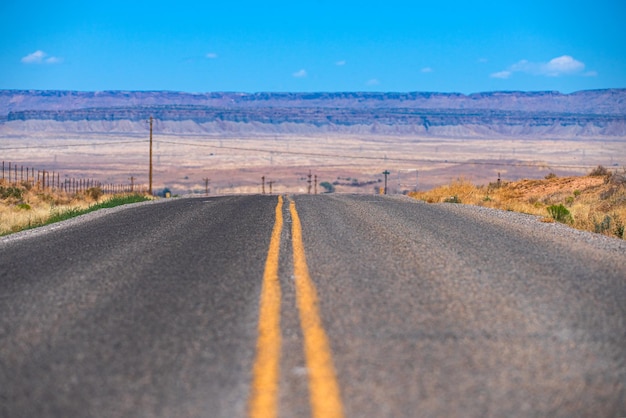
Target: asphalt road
{"points": [[321, 306]]}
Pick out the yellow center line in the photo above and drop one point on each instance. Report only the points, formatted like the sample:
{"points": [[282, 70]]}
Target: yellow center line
{"points": [[323, 387], [263, 401]]}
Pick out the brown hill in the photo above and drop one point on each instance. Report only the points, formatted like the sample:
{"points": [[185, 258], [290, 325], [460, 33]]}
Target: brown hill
{"points": [[595, 203]]}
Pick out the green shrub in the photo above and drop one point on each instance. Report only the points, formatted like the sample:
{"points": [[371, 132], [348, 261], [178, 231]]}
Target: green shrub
{"points": [[604, 226], [95, 193], [619, 227], [599, 171], [7, 192], [610, 225], [559, 213], [328, 187], [494, 185], [618, 178]]}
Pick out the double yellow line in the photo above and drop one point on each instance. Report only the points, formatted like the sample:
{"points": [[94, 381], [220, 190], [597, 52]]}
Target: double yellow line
{"points": [[323, 387]]}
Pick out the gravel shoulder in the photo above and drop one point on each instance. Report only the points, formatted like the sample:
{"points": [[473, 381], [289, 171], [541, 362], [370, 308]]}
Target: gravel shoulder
{"points": [[531, 226]]}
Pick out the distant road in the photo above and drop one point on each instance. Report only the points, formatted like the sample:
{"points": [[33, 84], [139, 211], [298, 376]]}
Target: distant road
{"points": [[312, 306]]}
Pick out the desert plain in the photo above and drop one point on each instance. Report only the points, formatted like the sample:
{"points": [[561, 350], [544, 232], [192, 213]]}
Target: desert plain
{"points": [[353, 163]]}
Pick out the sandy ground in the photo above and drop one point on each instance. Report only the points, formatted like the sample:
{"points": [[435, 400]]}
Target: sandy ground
{"points": [[237, 165], [560, 185]]}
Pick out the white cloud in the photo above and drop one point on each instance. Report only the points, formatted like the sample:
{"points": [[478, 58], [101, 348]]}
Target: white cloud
{"points": [[427, 70], [373, 82], [556, 67], [525, 66], [340, 63], [40, 57], [34, 58], [591, 74], [501, 74], [562, 65], [300, 74]]}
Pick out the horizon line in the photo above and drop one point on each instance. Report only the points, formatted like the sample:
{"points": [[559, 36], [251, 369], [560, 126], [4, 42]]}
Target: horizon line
{"points": [[369, 92]]}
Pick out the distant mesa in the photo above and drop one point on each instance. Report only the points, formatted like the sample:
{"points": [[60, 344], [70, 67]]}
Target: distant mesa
{"points": [[592, 113]]}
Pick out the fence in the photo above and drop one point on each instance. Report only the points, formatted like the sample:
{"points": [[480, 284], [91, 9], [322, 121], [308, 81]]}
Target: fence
{"points": [[51, 180]]}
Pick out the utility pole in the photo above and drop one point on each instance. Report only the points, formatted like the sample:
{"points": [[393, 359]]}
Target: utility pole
{"points": [[263, 184], [399, 183], [150, 172], [386, 173], [270, 183], [417, 173], [206, 185], [132, 183], [309, 182], [316, 184]]}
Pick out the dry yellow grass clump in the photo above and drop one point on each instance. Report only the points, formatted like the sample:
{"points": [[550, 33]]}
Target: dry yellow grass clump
{"points": [[23, 205], [595, 203]]}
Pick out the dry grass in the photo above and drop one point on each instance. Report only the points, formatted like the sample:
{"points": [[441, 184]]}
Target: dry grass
{"points": [[22, 206], [596, 202]]}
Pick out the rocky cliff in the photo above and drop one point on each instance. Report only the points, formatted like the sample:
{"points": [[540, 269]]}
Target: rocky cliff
{"points": [[594, 113]]}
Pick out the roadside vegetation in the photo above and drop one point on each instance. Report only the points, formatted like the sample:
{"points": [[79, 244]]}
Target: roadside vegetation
{"points": [[24, 206], [596, 202]]}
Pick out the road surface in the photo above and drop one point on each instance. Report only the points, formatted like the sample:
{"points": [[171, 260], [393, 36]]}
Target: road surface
{"points": [[311, 306]]}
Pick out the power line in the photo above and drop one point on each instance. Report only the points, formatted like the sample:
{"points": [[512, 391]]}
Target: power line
{"points": [[317, 154], [385, 158], [74, 145]]}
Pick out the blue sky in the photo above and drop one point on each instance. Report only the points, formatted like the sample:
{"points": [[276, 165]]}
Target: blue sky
{"points": [[313, 45]]}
